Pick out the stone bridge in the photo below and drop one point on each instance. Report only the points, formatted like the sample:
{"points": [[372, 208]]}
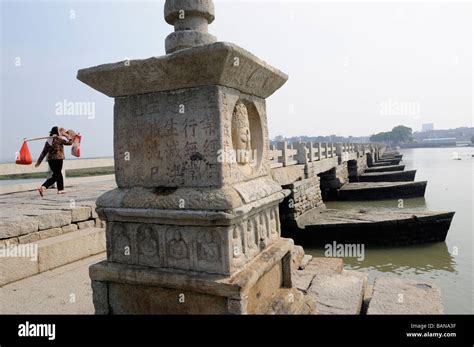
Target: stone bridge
{"points": [[186, 233], [309, 170], [57, 223]]}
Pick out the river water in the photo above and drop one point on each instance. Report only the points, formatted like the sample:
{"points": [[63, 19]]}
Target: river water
{"points": [[449, 264]]}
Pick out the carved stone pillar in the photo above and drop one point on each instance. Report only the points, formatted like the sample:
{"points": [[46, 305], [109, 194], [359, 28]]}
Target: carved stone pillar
{"points": [[193, 226]]}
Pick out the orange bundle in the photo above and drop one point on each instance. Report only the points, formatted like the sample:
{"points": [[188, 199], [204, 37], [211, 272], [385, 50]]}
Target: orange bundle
{"points": [[24, 156]]}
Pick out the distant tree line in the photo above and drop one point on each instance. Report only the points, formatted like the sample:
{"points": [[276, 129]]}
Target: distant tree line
{"points": [[397, 136], [330, 138]]}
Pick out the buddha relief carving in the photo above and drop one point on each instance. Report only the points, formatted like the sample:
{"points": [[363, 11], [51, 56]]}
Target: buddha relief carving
{"points": [[241, 138], [177, 247], [147, 242], [122, 244], [208, 247]]}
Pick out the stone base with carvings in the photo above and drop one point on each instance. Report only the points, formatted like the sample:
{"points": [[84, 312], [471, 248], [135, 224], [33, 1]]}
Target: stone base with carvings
{"points": [[227, 258], [263, 286], [236, 224], [219, 249]]}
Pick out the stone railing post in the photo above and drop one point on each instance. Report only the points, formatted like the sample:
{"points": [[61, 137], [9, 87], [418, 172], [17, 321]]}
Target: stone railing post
{"points": [[340, 153], [275, 156], [311, 151], [339, 149], [283, 147], [301, 152]]}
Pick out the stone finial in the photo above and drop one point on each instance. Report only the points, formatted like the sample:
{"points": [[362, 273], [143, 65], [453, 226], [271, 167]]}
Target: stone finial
{"points": [[190, 19]]}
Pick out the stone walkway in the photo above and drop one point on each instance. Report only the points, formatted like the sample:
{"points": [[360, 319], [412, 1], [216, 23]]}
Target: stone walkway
{"points": [[339, 291], [67, 290], [64, 290], [23, 203], [26, 212]]}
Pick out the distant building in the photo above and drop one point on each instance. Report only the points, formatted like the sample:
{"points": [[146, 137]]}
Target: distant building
{"points": [[447, 141], [427, 127]]}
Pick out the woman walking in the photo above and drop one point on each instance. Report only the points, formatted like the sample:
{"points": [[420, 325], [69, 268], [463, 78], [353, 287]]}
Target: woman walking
{"points": [[54, 149]]}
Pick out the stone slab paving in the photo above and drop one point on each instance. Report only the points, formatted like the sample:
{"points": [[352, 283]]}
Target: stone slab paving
{"points": [[335, 290], [367, 297], [390, 176], [374, 185], [26, 212], [381, 190], [323, 265], [401, 296], [64, 290], [338, 293], [305, 261], [312, 267], [50, 253], [386, 168], [370, 227], [362, 216]]}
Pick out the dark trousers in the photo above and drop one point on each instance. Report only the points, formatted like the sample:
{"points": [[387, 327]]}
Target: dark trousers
{"points": [[57, 177]]}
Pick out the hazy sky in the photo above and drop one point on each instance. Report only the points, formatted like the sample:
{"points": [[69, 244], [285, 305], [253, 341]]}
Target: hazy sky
{"points": [[355, 68]]}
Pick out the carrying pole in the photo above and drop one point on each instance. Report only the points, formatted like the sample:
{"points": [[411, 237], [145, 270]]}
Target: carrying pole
{"points": [[37, 138]]}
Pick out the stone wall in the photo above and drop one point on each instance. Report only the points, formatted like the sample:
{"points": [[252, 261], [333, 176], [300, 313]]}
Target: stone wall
{"points": [[353, 170], [334, 178], [342, 174], [304, 195], [370, 159], [34, 228], [356, 167], [361, 165]]}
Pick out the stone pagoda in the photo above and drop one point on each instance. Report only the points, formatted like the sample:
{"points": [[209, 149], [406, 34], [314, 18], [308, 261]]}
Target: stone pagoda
{"points": [[193, 226]]}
